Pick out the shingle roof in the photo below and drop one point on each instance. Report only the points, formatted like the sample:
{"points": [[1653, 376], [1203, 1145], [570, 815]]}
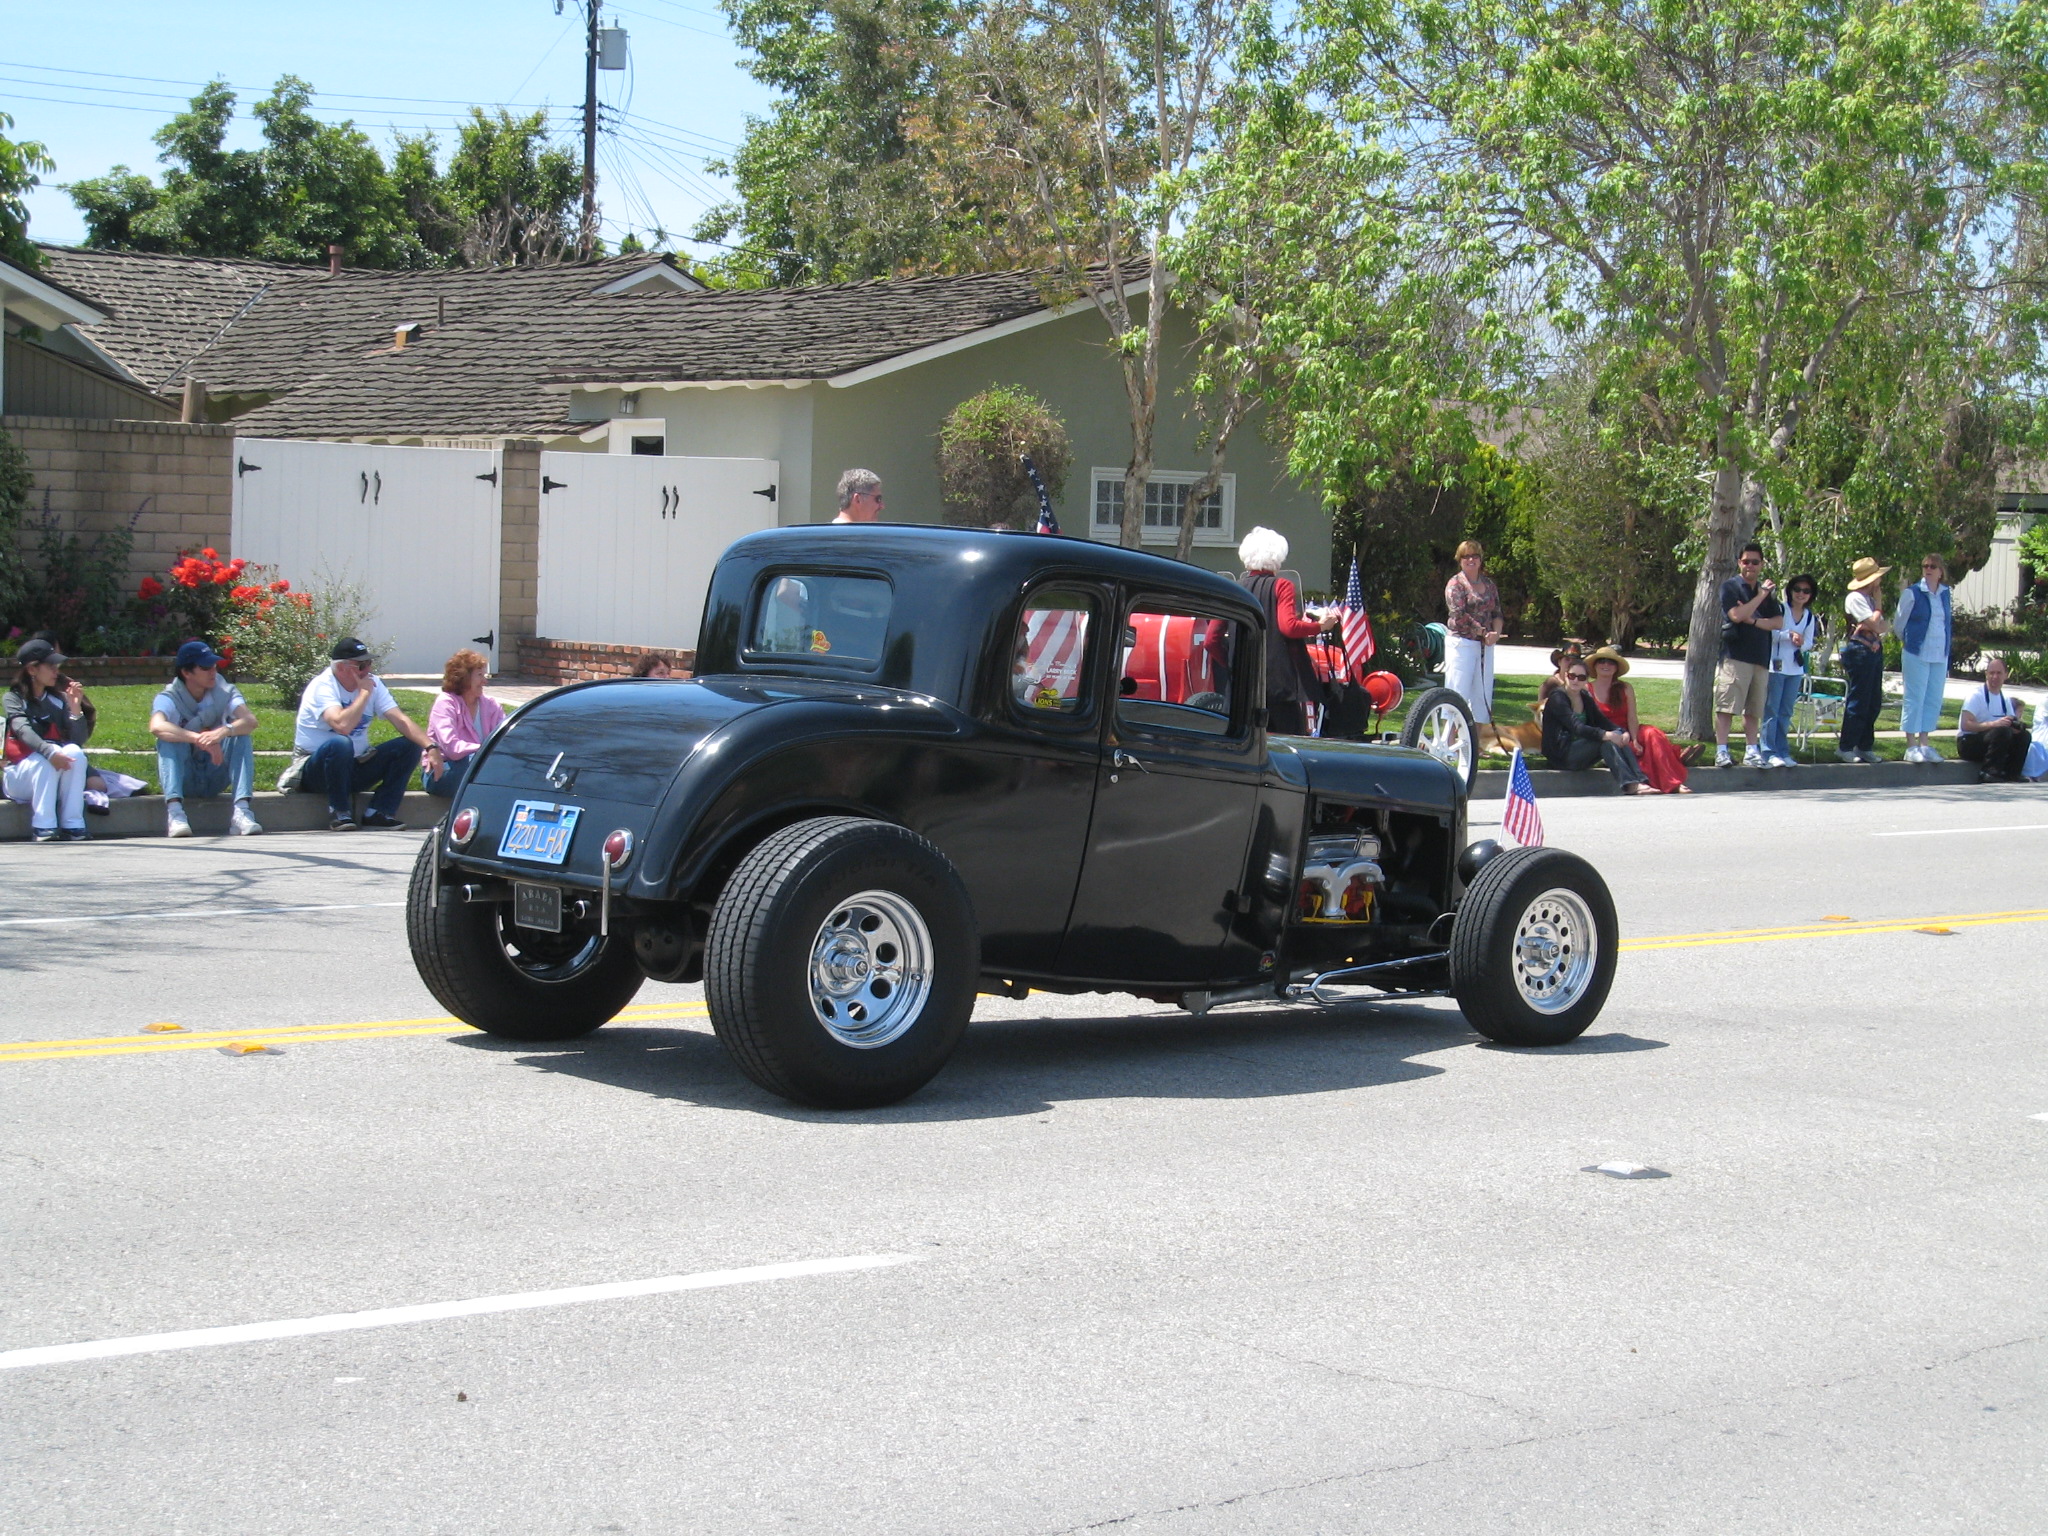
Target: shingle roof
{"points": [[265, 328], [322, 346]]}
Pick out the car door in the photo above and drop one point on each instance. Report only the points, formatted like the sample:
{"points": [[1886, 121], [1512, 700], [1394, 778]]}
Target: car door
{"points": [[1175, 796], [1020, 839]]}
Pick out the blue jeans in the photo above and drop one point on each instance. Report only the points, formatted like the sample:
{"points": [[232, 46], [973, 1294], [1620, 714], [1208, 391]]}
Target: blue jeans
{"points": [[452, 775], [189, 774], [1925, 681], [1864, 670], [336, 769], [1781, 692]]}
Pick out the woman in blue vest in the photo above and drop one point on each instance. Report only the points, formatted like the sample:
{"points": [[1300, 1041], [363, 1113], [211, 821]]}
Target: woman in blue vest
{"points": [[1925, 625]]}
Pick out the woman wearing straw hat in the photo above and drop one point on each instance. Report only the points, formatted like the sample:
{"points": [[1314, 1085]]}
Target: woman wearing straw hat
{"points": [[1661, 763], [1862, 659]]}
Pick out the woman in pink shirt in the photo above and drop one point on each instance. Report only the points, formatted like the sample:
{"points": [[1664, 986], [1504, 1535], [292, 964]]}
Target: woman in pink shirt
{"points": [[461, 720]]}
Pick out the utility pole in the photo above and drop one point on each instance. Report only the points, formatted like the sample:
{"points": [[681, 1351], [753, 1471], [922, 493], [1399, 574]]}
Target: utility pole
{"points": [[589, 241]]}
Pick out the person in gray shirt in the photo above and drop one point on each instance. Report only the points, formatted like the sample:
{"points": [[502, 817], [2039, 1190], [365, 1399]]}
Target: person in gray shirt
{"points": [[202, 729]]}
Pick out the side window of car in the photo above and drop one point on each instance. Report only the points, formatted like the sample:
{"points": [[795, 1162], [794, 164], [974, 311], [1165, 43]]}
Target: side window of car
{"points": [[1048, 658], [1177, 673]]}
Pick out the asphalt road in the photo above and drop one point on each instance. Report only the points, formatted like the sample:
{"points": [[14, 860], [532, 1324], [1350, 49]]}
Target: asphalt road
{"points": [[1277, 1270]]}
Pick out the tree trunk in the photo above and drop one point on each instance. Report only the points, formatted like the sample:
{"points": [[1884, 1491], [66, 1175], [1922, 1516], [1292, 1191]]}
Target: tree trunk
{"points": [[1703, 637], [1212, 478]]}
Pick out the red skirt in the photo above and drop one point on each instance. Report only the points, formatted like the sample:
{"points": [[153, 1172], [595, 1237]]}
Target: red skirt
{"points": [[1660, 761]]}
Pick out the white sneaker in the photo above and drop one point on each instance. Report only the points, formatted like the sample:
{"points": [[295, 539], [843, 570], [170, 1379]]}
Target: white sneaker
{"points": [[1849, 757], [1931, 754], [175, 824], [1722, 759], [1783, 762], [241, 823], [1753, 758]]}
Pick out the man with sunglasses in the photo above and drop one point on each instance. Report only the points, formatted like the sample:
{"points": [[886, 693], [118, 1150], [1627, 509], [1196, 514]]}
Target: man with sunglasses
{"points": [[1751, 613]]}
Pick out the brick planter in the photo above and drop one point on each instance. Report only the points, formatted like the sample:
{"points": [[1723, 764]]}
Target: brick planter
{"points": [[575, 661], [116, 671]]}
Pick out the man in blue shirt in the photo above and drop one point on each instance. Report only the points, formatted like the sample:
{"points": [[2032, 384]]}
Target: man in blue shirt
{"points": [[202, 729]]}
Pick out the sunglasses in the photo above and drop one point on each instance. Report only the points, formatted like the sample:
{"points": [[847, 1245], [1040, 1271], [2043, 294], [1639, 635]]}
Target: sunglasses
{"points": [[1576, 677], [1801, 591]]}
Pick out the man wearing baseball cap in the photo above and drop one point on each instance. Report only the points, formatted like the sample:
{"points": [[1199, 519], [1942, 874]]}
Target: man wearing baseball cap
{"points": [[202, 729], [334, 736]]}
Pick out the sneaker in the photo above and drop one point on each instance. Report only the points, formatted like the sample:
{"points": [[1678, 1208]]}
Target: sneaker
{"points": [[1783, 762], [1931, 755], [341, 824], [75, 835], [1851, 757], [1869, 757], [383, 822], [1722, 759], [46, 834], [241, 823], [175, 824], [1752, 758], [1916, 754]]}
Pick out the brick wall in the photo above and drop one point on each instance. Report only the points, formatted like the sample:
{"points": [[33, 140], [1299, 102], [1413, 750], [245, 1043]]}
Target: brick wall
{"points": [[518, 546], [118, 671], [574, 661], [171, 481]]}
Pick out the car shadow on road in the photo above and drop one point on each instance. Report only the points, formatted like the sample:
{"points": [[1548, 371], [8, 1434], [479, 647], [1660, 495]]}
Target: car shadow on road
{"points": [[1026, 1066]]}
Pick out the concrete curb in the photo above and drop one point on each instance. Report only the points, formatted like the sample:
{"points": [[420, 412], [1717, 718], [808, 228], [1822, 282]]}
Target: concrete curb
{"points": [[1492, 783], [143, 816]]}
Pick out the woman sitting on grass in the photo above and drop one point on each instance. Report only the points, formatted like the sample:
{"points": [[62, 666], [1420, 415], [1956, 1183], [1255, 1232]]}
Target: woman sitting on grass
{"points": [[1617, 701]]}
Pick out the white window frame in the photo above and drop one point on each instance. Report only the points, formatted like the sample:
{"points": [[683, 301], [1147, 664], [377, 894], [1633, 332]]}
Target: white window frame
{"points": [[1223, 537]]}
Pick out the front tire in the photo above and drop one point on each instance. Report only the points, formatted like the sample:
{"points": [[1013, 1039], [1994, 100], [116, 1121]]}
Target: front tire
{"points": [[511, 981], [1534, 946], [1440, 723], [841, 963]]}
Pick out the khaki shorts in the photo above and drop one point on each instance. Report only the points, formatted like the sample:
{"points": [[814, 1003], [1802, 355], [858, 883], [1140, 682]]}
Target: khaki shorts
{"points": [[1740, 686]]}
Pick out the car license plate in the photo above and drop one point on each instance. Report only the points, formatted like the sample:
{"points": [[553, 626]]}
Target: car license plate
{"points": [[539, 831], [537, 906]]}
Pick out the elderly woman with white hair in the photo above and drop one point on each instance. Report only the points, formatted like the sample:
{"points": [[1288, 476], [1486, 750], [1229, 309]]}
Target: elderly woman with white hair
{"points": [[1291, 683]]}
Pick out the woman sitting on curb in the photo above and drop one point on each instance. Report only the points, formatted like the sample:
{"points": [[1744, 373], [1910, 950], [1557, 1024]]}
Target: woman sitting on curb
{"points": [[1660, 761], [1576, 735], [45, 746], [461, 721]]}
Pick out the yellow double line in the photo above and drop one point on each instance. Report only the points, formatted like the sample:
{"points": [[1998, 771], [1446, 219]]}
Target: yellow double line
{"points": [[1835, 929], [286, 1034]]}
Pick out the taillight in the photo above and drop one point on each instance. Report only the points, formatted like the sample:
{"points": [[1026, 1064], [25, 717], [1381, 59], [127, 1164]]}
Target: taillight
{"points": [[618, 848], [463, 828]]}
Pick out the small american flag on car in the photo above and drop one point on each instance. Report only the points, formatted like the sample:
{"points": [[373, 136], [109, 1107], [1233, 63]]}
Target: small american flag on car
{"points": [[1359, 644], [1520, 819], [1055, 640]]}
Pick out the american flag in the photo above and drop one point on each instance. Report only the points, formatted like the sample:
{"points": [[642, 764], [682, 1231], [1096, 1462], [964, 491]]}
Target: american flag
{"points": [[1519, 818], [1054, 642], [1358, 641], [1047, 523]]}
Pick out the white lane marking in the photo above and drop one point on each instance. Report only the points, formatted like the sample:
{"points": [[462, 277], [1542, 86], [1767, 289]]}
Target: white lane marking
{"points": [[122, 917], [2038, 826], [384, 1317]]}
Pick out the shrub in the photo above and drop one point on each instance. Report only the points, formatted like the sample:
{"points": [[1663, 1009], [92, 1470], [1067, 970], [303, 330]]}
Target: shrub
{"points": [[77, 590], [281, 637], [981, 446]]}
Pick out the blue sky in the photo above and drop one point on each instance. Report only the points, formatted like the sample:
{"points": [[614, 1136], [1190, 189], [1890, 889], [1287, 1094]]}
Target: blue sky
{"points": [[95, 87]]}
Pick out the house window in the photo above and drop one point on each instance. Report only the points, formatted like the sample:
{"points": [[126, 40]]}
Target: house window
{"points": [[1166, 494], [648, 445]]}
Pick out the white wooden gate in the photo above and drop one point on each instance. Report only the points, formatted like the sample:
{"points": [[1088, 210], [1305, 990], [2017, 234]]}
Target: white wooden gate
{"points": [[627, 542], [415, 528]]}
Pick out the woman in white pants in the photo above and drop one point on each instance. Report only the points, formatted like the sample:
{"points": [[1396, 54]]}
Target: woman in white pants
{"points": [[45, 739], [1472, 628]]}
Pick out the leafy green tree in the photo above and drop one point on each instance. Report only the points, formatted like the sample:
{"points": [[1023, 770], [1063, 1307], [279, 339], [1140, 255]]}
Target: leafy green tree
{"points": [[510, 197], [1734, 189], [21, 165], [982, 443]]}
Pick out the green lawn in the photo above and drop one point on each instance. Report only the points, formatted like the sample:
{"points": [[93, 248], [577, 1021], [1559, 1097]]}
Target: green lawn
{"points": [[1657, 704], [121, 736]]}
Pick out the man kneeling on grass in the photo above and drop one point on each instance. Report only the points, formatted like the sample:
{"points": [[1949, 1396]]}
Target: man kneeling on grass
{"points": [[202, 730], [333, 739]]}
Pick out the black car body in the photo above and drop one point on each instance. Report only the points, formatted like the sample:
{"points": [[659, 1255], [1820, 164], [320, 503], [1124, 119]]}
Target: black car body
{"points": [[1077, 730]]}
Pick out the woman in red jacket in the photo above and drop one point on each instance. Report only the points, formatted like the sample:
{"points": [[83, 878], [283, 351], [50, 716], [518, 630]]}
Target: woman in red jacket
{"points": [[1291, 684]]}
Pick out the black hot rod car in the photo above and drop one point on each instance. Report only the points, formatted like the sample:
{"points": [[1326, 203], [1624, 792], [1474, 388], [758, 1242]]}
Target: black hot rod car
{"points": [[920, 763]]}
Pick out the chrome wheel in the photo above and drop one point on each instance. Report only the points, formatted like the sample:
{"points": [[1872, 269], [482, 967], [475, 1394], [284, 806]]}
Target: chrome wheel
{"points": [[1557, 950], [870, 969], [1446, 737], [548, 957]]}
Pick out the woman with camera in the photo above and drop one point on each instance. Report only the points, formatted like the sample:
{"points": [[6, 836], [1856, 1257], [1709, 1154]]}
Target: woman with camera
{"points": [[1791, 645]]}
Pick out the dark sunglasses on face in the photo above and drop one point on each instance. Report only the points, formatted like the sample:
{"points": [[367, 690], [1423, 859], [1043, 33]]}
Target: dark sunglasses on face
{"points": [[1576, 677]]}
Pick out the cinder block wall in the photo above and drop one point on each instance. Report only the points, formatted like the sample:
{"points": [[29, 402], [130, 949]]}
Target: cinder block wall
{"points": [[172, 481], [518, 548]]}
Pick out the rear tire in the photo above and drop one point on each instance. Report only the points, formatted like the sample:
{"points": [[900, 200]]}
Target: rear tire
{"points": [[1533, 949], [1440, 723], [841, 964], [510, 981]]}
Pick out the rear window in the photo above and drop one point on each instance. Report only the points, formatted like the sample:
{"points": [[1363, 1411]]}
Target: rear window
{"points": [[821, 616]]}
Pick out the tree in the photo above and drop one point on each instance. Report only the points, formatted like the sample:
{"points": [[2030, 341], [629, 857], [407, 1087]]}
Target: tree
{"points": [[831, 187], [1086, 118], [982, 444], [21, 165], [512, 197], [1732, 187]]}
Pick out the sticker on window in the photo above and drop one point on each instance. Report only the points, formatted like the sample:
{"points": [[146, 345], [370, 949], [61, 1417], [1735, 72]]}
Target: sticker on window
{"points": [[1052, 643], [822, 616]]}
